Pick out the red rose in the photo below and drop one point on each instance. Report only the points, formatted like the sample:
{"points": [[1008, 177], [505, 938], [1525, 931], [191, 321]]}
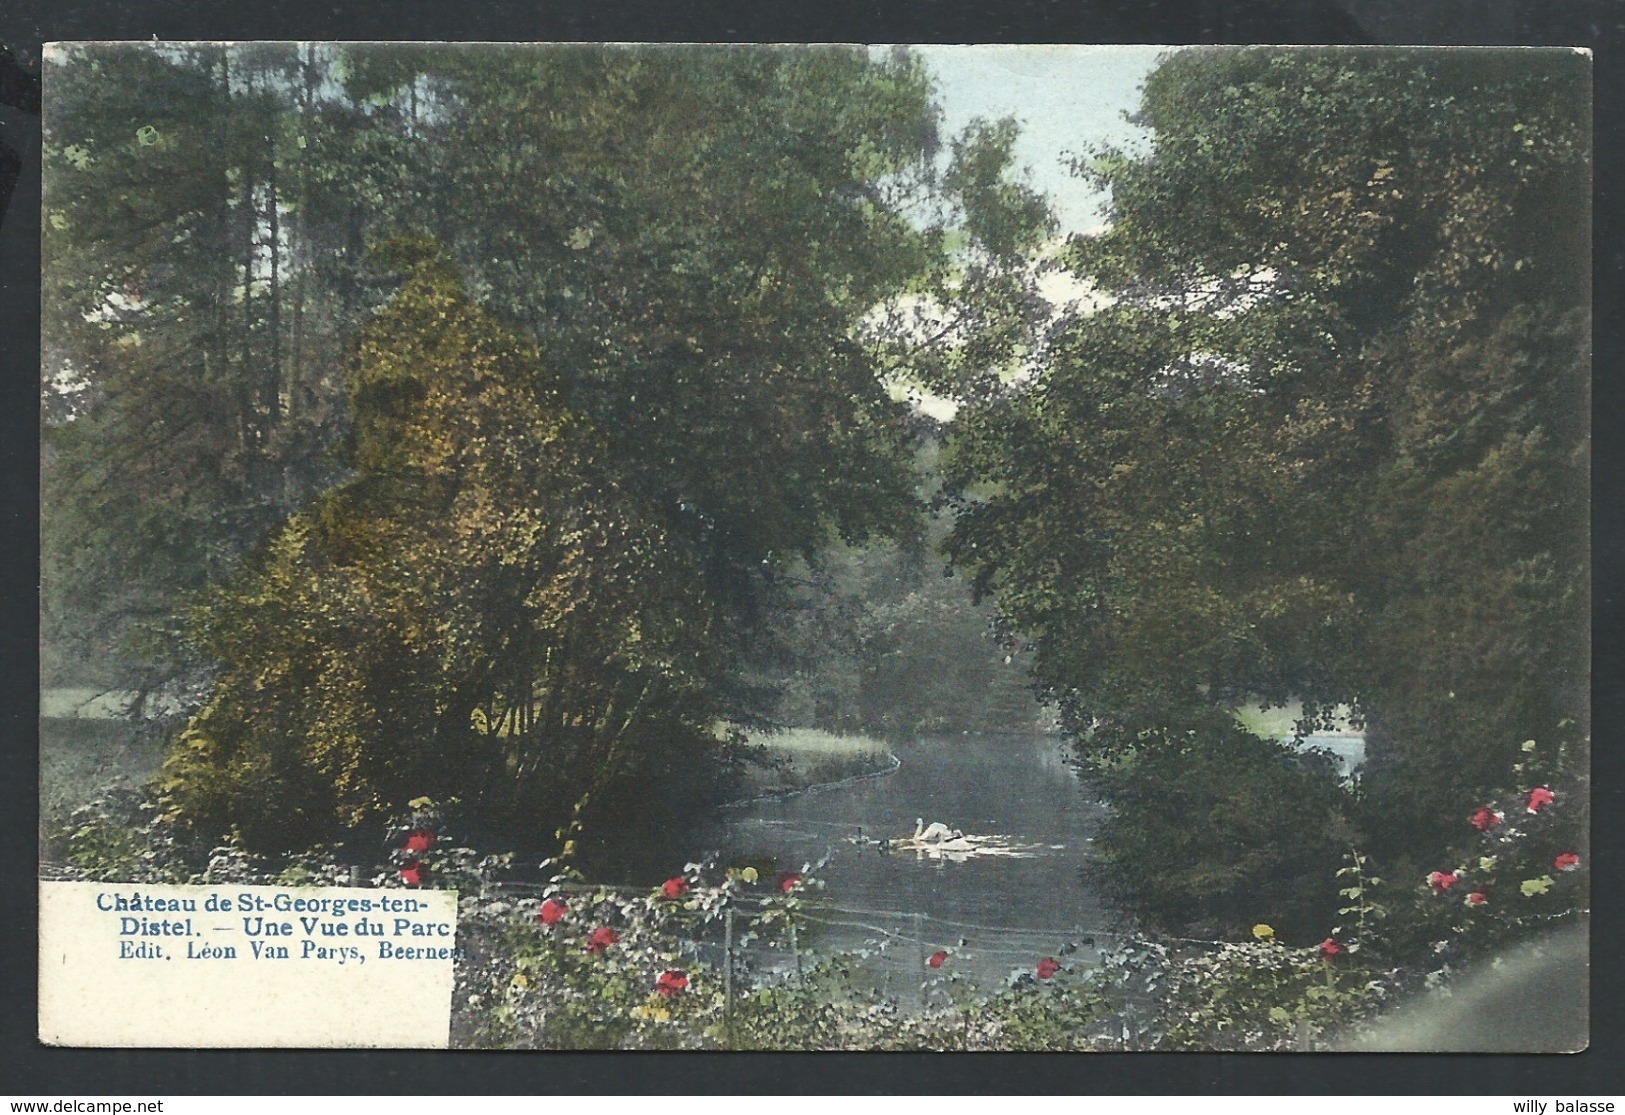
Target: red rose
{"points": [[412, 873], [1539, 798], [674, 887], [420, 840], [1477, 898], [601, 938], [552, 911], [1484, 818], [788, 881], [936, 959], [1047, 967], [1441, 881], [1330, 947], [670, 983], [1568, 861]]}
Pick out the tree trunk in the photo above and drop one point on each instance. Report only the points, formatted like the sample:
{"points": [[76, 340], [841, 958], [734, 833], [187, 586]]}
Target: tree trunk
{"points": [[250, 222], [307, 105], [273, 367]]}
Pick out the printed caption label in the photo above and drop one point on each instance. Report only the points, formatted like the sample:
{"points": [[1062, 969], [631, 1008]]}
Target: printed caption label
{"points": [[126, 964]]}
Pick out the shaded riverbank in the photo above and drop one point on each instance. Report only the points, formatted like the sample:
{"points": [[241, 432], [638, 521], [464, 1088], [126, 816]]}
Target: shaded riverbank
{"points": [[802, 759]]}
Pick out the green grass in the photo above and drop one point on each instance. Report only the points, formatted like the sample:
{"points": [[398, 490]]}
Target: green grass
{"points": [[802, 757], [808, 743], [1281, 722]]}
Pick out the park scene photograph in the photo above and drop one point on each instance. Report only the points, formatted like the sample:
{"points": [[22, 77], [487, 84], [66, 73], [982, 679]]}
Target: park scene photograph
{"points": [[1022, 548]]}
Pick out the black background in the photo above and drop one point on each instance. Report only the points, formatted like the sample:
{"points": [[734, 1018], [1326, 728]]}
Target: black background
{"points": [[28, 1069]]}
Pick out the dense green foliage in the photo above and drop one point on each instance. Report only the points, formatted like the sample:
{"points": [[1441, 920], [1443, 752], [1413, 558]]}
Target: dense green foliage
{"points": [[880, 641], [696, 237], [1218, 829], [1326, 440], [522, 427], [588, 967], [477, 610], [196, 372], [583, 966], [525, 540]]}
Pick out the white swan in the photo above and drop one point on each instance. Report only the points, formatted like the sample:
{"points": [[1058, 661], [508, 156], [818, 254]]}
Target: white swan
{"points": [[935, 833]]}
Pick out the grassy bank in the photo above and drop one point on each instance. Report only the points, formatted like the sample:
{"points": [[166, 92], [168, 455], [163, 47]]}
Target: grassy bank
{"points": [[1281, 721], [797, 758]]}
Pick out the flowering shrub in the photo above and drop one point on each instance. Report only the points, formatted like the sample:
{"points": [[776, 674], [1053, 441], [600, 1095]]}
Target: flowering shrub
{"points": [[552, 911], [1262, 995], [552, 975], [597, 968], [422, 851], [1519, 873], [1070, 1011], [420, 840], [600, 939], [834, 1005], [582, 967]]}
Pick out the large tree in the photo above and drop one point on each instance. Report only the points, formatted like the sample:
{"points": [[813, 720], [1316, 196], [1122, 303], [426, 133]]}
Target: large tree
{"points": [[478, 612], [189, 387], [1326, 439], [695, 242], [699, 237]]}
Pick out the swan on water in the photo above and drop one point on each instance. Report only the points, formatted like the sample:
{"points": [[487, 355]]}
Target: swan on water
{"points": [[936, 832]]}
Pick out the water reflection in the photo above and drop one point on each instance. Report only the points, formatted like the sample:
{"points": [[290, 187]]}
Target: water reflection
{"points": [[961, 847], [1004, 893]]}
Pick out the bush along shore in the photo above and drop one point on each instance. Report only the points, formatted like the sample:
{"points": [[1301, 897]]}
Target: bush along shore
{"points": [[564, 964]]}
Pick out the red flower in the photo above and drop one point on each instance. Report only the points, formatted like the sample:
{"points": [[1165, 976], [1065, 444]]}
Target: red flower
{"points": [[788, 881], [412, 873], [1477, 898], [601, 938], [1484, 818], [420, 840], [1539, 798], [552, 911], [674, 887], [1441, 881], [670, 983], [1330, 947], [1047, 967], [936, 959], [1568, 861]]}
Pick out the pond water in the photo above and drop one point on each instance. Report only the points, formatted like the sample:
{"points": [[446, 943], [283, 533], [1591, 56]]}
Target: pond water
{"points": [[1347, 750], [1010, 888]]}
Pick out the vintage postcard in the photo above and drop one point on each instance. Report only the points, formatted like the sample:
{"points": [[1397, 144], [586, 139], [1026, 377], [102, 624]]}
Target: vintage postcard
{"points": [[815, 547]]}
